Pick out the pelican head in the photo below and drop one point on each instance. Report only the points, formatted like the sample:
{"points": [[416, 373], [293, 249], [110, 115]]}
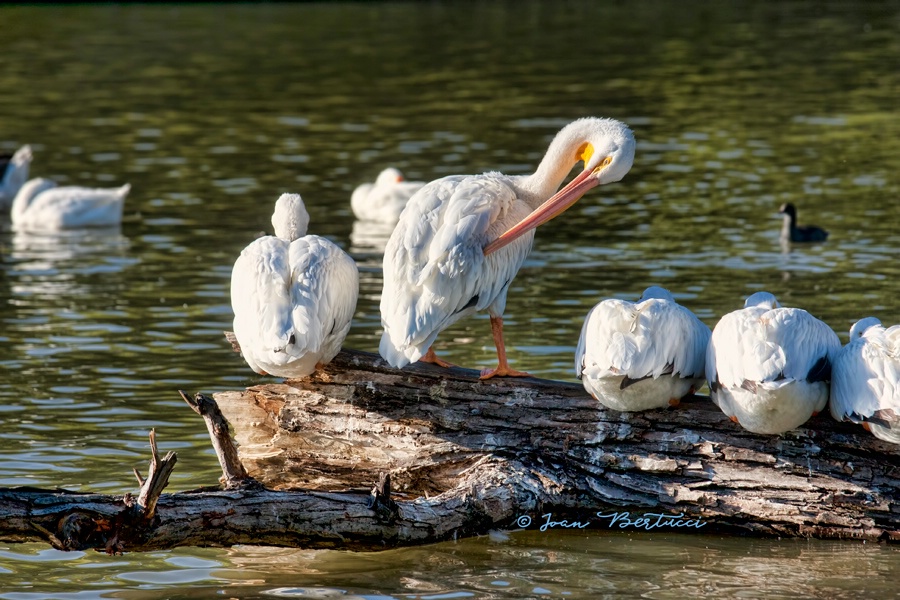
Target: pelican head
{"points": [[607, 150], [656, 292], [605, 146], [290, 218], [762, 300], [389, 176], [860, 327]]}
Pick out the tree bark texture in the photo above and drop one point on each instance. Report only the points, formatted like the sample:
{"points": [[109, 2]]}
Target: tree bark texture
{"points": [[362, 456]]}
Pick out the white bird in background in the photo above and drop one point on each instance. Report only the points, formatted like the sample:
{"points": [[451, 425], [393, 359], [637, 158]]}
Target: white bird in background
{"points": [[641, 355], [15, 174], [384, 200], [293, 296], [462, 239], [865, 384], [768, 367], [42, 206]]}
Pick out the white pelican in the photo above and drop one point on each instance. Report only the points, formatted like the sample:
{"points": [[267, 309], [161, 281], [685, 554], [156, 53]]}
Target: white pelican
{"points": [[447, 259], [293, 296], [768, 367], [384, 200], [792, 232], [865, 384], [641, 355], [42, 206], [15, 174]]}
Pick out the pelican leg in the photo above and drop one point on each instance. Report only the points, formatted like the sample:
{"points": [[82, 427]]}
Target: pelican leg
{"points": [[502, 369], [431, 357]]}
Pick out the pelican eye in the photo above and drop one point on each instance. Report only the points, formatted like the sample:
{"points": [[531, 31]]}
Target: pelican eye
{"points": [[602, 165]]}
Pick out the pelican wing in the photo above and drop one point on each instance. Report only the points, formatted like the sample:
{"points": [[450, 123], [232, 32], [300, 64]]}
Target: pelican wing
{"points": [[758, 345], [809, 344], [610, 341], [739, 350], [323, 292], [647, 339], [260, 298], [866, 376], [434, 266], [677, 340]]}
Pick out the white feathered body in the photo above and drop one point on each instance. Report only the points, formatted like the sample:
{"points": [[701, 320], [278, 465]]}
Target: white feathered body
{"points": [[865, 387], [435, 268], [641, 356], [293, 303], [435, 271], [769, 367], [42, 206], [384, 200]]}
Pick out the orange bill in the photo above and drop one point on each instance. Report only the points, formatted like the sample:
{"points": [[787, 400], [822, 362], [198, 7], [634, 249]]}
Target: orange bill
{"points": [[556, 205]]}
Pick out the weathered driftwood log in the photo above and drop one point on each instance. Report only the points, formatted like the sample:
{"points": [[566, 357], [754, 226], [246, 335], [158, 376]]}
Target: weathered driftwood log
{"points": [[452, 456], [510, 448]]}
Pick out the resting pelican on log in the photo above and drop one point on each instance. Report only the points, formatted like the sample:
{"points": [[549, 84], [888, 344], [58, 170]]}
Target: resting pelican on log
{"points": [[462, 239], [642, 355], [865, 384], [293, 296], [768, 366]]}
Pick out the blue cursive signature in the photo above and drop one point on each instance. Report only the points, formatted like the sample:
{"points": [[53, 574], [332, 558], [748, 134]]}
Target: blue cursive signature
{"points": [[650, 521], [622, 520]]}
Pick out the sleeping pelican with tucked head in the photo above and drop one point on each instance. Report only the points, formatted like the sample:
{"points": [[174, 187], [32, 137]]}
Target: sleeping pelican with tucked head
{"points": [[769, 367], [865, 384], [293, 296], [641, 355], [384, 200]]}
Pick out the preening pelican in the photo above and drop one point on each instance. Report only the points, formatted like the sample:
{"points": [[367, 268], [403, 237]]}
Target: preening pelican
{"points": [[768, 367], [384, 200], [641, 355], [462, 238], [15, 174], [792, 232], [42, 206], [865, 384], [293, 296]]}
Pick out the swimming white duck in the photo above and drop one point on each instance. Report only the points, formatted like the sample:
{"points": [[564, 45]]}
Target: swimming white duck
{"points": [[42, 206], [293, 296], [768, 367], [384, 200], [641, 355], [865, 385], [15, 174]]}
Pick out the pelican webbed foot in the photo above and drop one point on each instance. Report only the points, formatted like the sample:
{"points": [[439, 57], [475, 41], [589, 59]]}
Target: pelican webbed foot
{"points": [[431, 357]]}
